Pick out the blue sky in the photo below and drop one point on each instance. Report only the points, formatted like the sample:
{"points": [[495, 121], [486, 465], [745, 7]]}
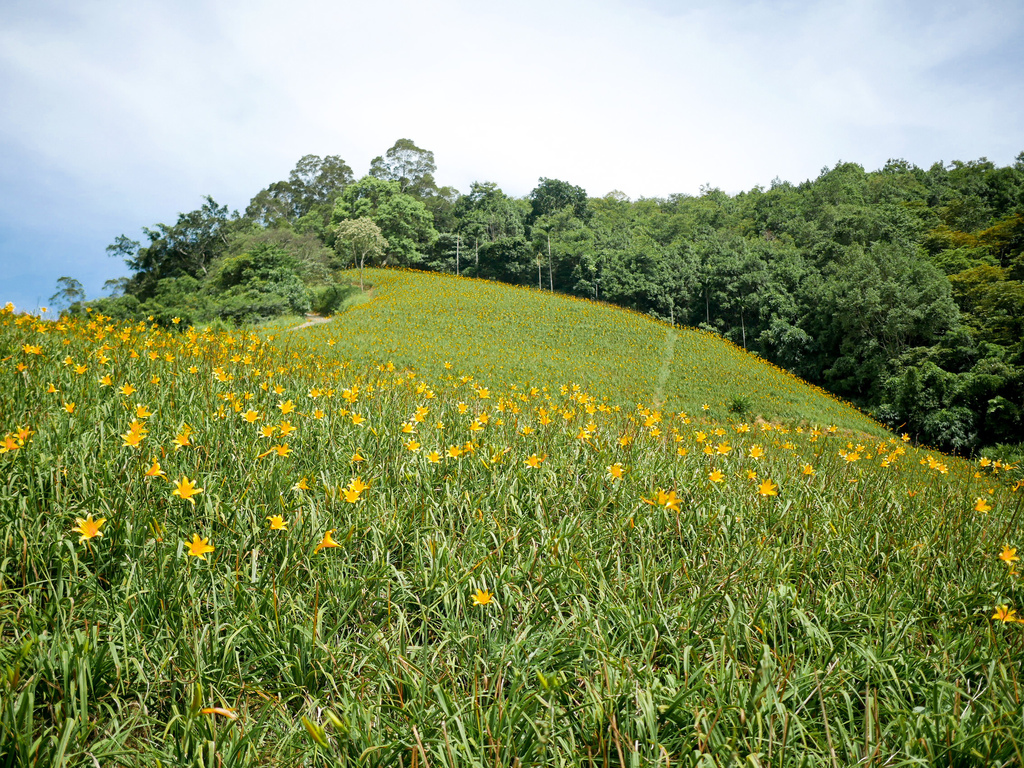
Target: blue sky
{"points": [[118, 115]]}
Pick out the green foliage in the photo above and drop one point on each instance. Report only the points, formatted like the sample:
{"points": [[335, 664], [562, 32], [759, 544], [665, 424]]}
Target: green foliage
{"points": [[257, 285], [630, 609], [69, 292], [408, 165], [847, 279], [403, 220]]}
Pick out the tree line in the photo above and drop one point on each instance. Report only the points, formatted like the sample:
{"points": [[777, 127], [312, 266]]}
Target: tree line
{"points": [[900, 289]]}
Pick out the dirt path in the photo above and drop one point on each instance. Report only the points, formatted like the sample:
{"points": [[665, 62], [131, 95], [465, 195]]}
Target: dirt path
{"points": [[312, 320], [666, 367]]}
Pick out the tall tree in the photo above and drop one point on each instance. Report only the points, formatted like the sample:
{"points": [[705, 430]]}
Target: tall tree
{"points": [[69, 292], [412, 167], [188, 247], [552, 195]]}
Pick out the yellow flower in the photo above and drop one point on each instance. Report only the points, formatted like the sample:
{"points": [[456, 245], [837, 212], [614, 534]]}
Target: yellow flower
{"points": [[277, 523], [668, 500], [756, 452], [250, 416], [434, 457], [1005, 614], [1009, 555], [198, 547], [69, 407], [88, 528], [326, 541], [282, 450], [724, 448], [616, 470], [355, 489], [981, 505], [807, 469], [302, 485], [133, 439], [286, 406], [716, 476], [454, 451], [186, 489], [155, 471], [534, 461], [768, 488], [182, 438], [482, 597], [286, 428], [142, 412], [106, 381]]}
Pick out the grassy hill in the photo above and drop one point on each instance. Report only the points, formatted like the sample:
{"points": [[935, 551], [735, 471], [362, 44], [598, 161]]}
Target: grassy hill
{"points": [[330, 548], [505, 335]]}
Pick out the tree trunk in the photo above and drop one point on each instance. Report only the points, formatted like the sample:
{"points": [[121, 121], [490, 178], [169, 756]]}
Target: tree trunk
{"points": [[456, 255], [551, 279]]}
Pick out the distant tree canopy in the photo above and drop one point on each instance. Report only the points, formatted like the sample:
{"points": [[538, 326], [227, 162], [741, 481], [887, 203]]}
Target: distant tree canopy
{"points": [[901, 289]]}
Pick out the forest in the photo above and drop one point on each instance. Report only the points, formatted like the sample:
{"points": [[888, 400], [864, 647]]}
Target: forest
{"points": [[900, 289]]}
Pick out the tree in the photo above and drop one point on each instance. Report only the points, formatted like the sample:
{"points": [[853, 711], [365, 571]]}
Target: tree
{"points": [[69, 292], [552, 195], [188, 247], [363, 239], [412, 167], [116, 287], [404, 221], [310, 191], [488, 214], [317, 182]]}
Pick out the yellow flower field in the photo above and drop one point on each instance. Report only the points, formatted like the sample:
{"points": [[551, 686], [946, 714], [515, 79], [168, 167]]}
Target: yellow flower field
{"points": [[433, 531]]}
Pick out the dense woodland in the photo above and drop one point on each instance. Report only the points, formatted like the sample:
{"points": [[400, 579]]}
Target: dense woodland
{"points": [[900, 289]]}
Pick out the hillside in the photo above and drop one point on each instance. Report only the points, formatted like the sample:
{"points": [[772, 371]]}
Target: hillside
{"points": [[899, 289], [509, 336], [220, 548]]}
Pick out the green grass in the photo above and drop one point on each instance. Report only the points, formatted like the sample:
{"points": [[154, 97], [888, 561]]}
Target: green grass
{"points": [[506, 335], [658, 619]]}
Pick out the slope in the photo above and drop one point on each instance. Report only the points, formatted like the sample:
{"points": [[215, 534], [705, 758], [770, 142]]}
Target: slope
{"points": [[509, 336]]}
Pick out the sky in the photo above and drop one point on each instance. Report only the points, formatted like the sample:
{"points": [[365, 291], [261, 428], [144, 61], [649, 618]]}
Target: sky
{"points": [[116, 115]]}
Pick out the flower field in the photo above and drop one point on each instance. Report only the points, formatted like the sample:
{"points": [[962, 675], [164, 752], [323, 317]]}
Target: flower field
{"points": [[434, 532], [507, 336]]}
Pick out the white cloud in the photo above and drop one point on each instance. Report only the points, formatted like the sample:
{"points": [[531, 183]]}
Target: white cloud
{"points": [[129, 112]]}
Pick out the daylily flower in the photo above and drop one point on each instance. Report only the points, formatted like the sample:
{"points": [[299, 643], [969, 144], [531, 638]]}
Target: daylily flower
{"points": [[186, 489], [327, 541], [88, 528], [198, 547]]}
